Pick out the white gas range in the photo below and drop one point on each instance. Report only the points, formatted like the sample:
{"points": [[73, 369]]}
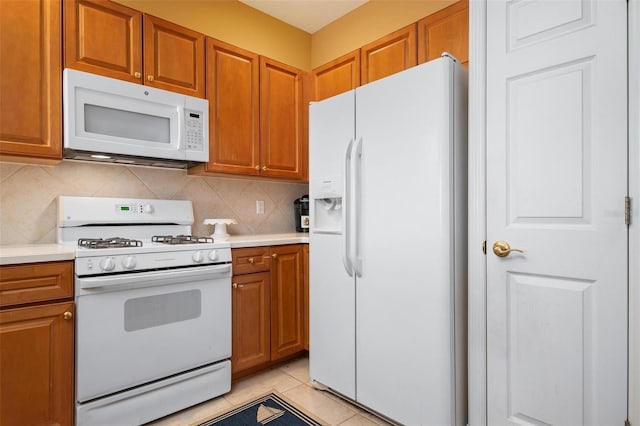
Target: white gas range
{"points": [[153, 323]]}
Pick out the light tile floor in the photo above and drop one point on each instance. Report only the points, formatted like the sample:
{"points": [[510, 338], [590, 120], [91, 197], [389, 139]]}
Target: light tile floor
{"points": [[290, 380]]}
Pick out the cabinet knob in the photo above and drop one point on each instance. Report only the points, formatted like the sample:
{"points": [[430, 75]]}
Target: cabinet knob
{"points": [[274, 255], [137, 74], [264, 168], [67, 315], [150, 77], [250, 260], [235, 285], [257, 167]]}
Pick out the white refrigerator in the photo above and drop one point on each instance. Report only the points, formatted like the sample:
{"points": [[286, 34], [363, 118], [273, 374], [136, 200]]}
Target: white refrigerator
{"points": [[388, 210]]}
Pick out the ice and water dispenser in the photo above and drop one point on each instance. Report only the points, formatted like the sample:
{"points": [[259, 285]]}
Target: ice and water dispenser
{"points": [[326, 196]]}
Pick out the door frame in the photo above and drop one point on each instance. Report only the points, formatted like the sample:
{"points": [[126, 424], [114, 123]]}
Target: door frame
{"points": [[477, 310]]}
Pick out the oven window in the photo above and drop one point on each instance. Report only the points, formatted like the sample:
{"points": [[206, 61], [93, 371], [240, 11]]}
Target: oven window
{"points": [[154, 311], [126, 124]]}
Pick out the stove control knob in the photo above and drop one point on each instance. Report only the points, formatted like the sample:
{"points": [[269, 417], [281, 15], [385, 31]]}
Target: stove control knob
{"points": [[213, 255], [148, 208], [197, 257], [108, 264], [129, 262]]}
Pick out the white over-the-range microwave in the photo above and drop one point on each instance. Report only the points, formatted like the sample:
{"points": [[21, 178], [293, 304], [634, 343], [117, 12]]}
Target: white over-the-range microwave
{"points": [[116, 121]]}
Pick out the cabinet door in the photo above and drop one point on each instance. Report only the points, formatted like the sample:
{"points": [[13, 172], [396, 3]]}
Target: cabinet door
{"points": [[233, 91], [36, 361], [251, 337], [445, 31], [102, 37], [281, 121], [30, 79], [391, 54], [305, 260], [337, 76], [173, 57], [287, 301]]}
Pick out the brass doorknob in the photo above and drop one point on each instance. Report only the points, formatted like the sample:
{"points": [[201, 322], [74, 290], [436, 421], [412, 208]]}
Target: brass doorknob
{"points": [[274, 255], [137, 74], [150, 77], [264, 168], [257, 167], [503, 249], [250, 260], [235, 285], [67, 315]]}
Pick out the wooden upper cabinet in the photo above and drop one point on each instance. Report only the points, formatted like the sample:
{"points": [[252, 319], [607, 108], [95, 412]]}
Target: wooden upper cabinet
{"points": [[233, 94], [173, 57], [30, 82], [391, 54], [337, 76], [445, 31], [102, 37], [281, 124], [287, 300], [107, 38]]}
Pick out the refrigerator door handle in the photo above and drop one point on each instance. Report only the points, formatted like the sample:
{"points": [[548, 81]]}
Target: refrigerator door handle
{"points": [[346, 211], [356, 256]]}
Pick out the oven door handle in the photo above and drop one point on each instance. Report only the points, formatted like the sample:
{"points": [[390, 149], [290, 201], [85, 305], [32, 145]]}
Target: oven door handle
{"points": [[155, 278]]}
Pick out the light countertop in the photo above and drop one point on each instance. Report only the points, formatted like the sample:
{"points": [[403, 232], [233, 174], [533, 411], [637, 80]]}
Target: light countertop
{"points": [[239, 241], [30, 253]]}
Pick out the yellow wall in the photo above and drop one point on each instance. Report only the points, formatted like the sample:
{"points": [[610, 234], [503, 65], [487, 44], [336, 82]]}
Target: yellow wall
{"points": [[367, 23], [235, 23], [248, 28]]}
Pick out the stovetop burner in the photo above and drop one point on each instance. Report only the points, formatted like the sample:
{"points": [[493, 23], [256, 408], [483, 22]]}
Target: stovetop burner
{"points": [[181, 239], [100, 243]]}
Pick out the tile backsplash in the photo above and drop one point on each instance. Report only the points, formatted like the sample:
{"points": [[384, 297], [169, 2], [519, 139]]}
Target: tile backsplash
{"points": [[28, 194]]}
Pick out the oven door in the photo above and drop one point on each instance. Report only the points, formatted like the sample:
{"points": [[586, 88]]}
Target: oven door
{"points": [[140, 327]]}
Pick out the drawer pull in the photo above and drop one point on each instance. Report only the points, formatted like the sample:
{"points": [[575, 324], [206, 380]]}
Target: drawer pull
{"points": [[67, 315], [235, 285], [251, 260], [274, 255]]}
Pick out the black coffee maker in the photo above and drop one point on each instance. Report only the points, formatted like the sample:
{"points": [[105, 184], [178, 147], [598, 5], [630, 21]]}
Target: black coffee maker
{"points": [[301, 212]]}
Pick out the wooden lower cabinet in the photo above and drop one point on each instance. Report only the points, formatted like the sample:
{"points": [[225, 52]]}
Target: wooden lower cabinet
{"points": [[287, 301], [36, 344], [36, 365], [269, 314], [251, 321]]}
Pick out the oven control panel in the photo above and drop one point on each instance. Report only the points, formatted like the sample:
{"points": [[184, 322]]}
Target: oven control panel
{"points": [[134, 208], [119, 262]]}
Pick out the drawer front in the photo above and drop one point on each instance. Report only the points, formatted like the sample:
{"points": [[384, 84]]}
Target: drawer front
{"points": [[35, 282], [251, 259]]}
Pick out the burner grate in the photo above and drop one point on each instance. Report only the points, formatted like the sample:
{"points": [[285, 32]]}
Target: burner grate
{"points": [[180, 239], [98, 243]]}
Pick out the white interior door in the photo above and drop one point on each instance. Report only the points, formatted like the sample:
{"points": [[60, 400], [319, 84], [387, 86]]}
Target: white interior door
{"points": [[556, 182]]}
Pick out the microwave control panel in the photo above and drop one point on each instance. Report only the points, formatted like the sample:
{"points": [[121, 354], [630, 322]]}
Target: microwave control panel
{"points": [[194, 130]]}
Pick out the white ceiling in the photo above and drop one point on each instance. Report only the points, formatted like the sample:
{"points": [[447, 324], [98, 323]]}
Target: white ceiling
{"points": [[308, 15]]}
